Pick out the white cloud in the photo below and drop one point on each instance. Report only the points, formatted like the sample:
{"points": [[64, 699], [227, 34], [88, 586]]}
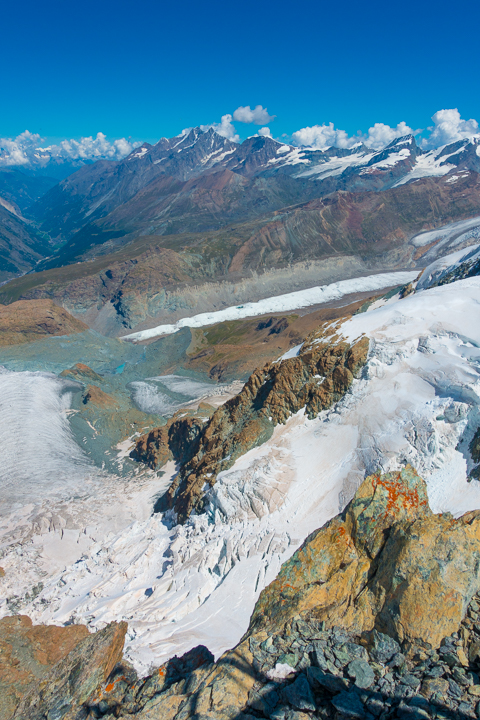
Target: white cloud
{"points": [[265, 132], [449, 127], [259, 115], [380, 135], [326, 135], [323, 137], [29, 149], [225, 128]]}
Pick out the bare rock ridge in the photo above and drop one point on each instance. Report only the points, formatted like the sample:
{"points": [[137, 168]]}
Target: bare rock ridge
{"points": [[315, 379], [28, 653], [377, 615], [386, 563], [29, 320]]}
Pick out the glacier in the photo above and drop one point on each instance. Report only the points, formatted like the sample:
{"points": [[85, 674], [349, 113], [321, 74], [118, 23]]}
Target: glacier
{"points": [[105, 557]]}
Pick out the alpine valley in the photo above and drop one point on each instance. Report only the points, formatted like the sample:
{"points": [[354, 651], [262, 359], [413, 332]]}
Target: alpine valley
{"points": [[240, 432]]}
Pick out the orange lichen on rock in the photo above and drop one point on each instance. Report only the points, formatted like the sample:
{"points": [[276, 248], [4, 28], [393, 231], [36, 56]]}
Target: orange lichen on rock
{"points": [[387, 563]]}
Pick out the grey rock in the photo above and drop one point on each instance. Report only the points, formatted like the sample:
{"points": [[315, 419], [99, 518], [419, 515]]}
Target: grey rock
{"points": [[303, 663], [460, 676], [413, 712], [436, 672], [397, 661], [451, 659], [342, 656], [320, 680], [362, 673], [264, 699], [454, 689], [299, 694], [375, 705], [466, 709], [318, 657], [349, 704], [410, 680], [382, 647], [289, 659]]}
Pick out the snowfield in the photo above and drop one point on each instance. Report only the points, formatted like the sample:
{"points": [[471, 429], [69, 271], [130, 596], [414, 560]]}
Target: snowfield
{"points": [[105, 557]]}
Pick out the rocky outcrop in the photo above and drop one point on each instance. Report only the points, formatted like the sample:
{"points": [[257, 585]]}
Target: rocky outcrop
{"points": [[387, 563], [82, 373], [176, 440], [29, 320], [98, 397], [318, 377], [27, 655], [73, 681], [474, 448]]}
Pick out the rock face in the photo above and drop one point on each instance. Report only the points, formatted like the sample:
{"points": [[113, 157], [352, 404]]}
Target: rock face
{"points": [[317, 378], [176, 440], [28, 653], [386, 563], [73, 681], [29, 320]]}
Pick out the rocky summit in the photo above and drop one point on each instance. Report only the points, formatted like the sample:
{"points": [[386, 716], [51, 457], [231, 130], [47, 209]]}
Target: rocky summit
{"points": [[376, 616]]}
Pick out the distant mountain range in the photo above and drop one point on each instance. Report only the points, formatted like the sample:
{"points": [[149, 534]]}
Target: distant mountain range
{"points": [[209, 209]]}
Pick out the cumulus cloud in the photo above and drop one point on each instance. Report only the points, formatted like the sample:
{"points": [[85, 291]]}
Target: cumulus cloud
{"points": [[449, 127], [226, 129], [265, 132], [259, 115], [326, 135], [29, 149], [323, 137], [380, 135]]}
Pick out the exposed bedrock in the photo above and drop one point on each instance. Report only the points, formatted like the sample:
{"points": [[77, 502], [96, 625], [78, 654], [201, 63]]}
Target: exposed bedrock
{"points": [[30, 320], [318, 377], [387, 563]]}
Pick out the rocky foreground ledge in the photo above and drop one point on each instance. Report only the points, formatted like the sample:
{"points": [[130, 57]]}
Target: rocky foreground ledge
{"points": [[377, 615]]}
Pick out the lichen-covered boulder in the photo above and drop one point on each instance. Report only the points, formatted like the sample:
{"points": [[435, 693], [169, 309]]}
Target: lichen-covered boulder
{"points": [[387, 563]]}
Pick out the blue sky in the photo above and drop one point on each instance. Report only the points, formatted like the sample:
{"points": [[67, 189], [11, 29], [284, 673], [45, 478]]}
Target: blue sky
{"points": [[147, 69]]}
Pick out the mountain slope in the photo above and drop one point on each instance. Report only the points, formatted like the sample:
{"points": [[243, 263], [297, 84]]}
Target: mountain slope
{"points": [[21, 246], [167, 188], [23, 190], [161, 279]]}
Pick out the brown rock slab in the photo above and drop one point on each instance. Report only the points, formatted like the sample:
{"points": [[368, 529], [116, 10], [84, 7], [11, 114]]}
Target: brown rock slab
{"points": [[77, 677], [29, 320], [386, 563], [28, 653]]}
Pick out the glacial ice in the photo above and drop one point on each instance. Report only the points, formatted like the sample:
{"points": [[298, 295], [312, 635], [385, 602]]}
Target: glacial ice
{"points": [[39, 457]]}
